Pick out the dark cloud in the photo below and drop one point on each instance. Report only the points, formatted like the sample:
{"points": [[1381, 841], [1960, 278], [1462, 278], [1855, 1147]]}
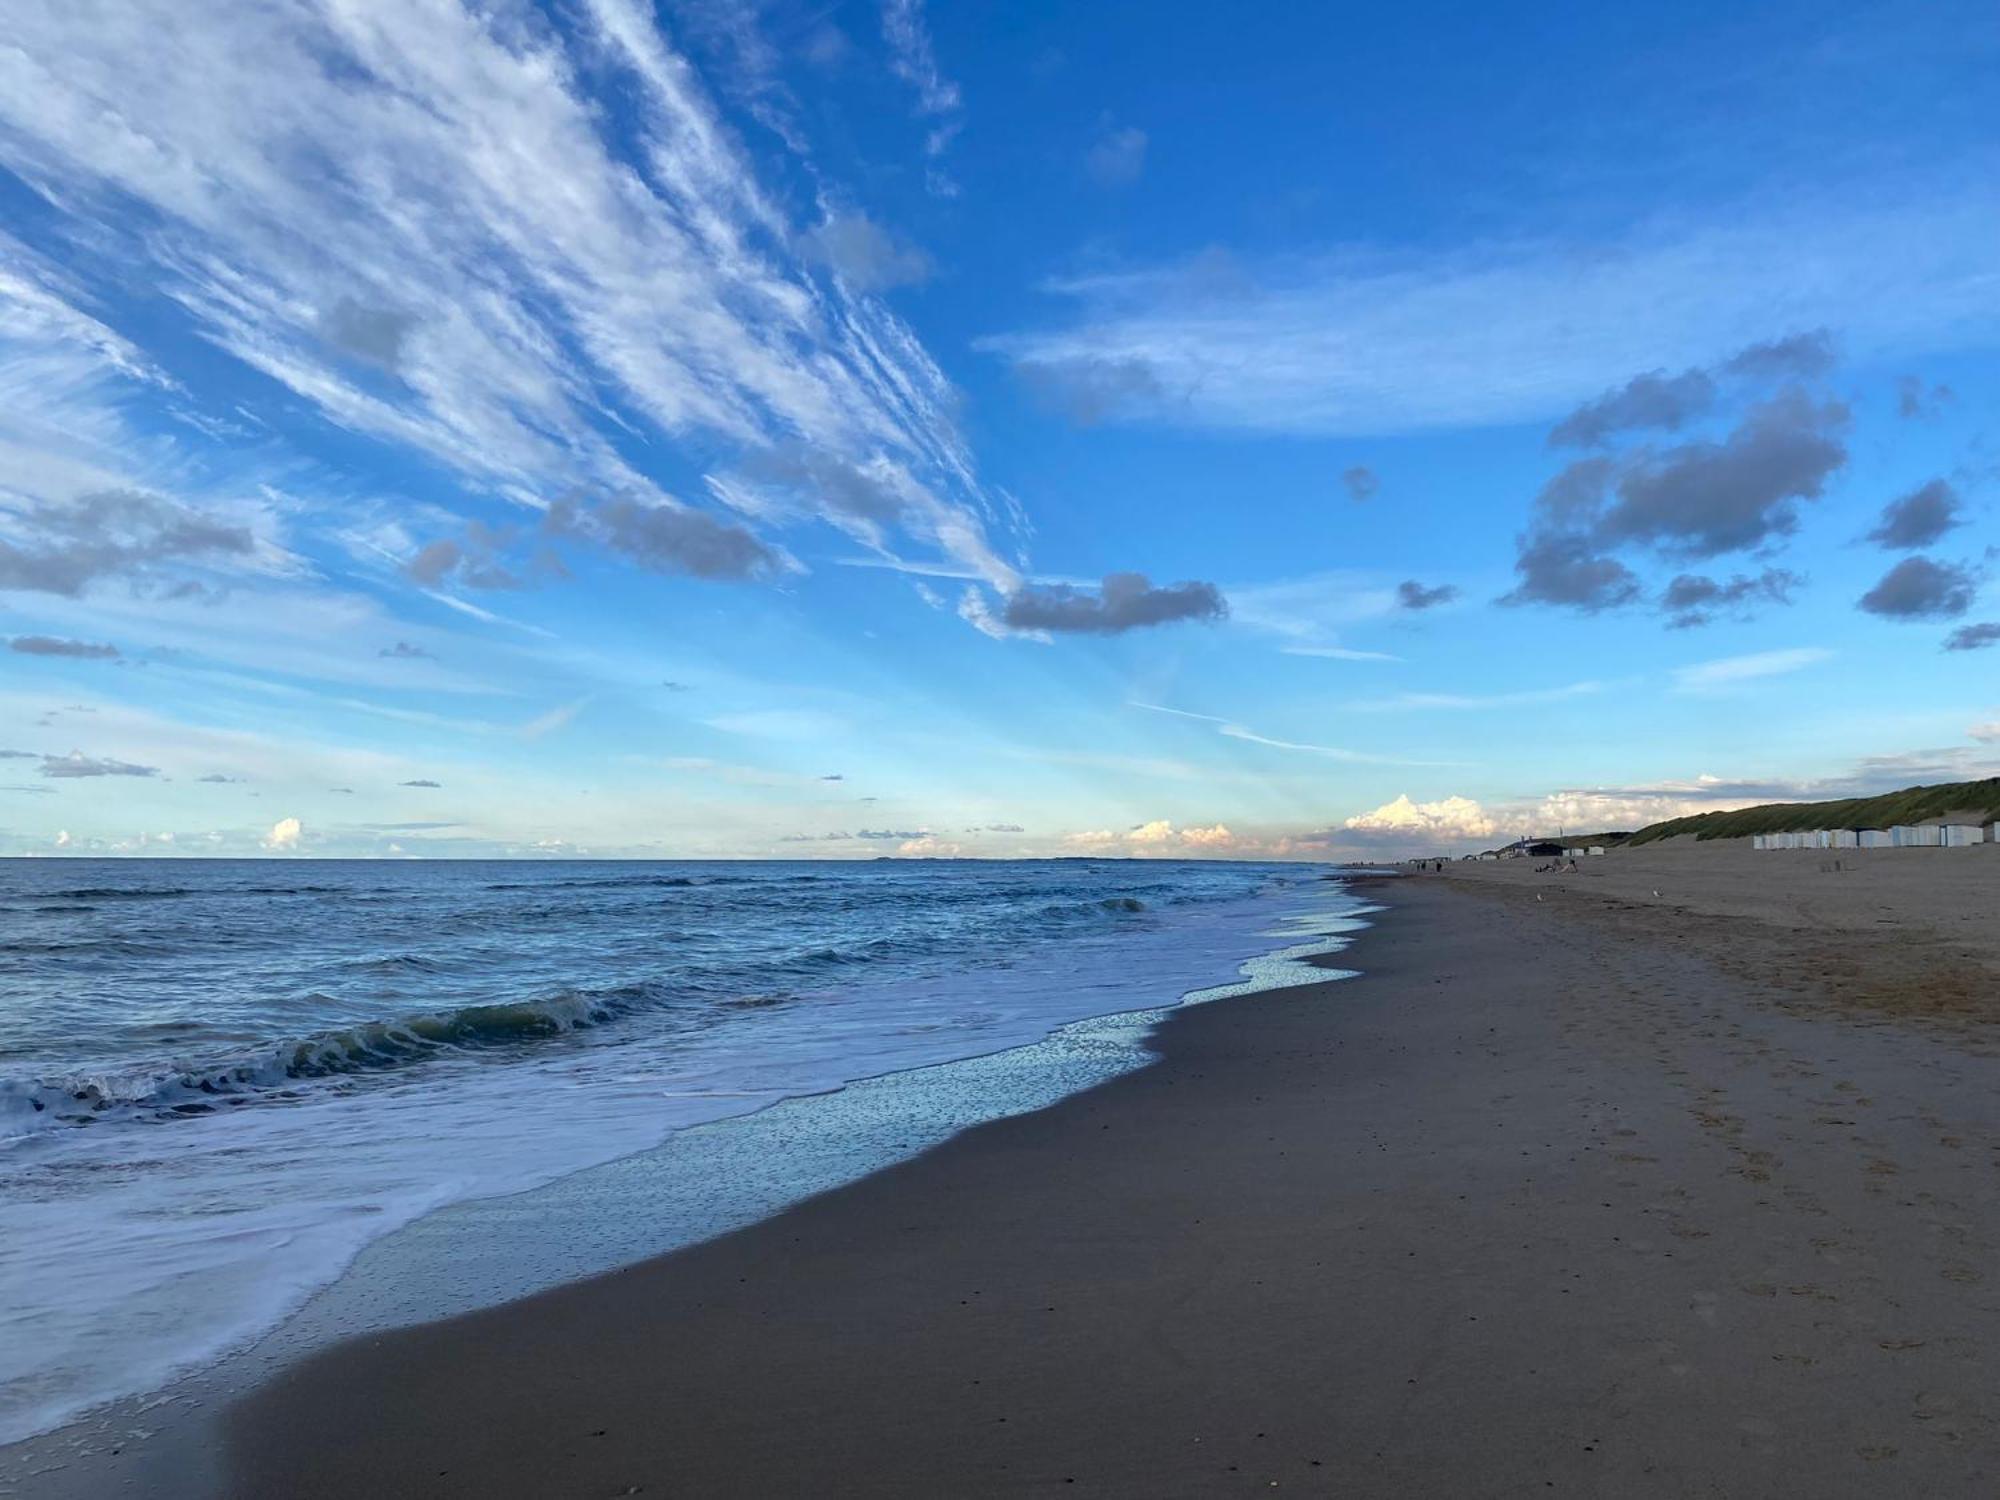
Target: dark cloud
{"points": [[1126, 601], [110, 533], [1706, 498], [77, 764], [821, 838], [1004, 828], [472, 561], [1973, 637], [418, 783], [216, 778], [666, 538], [1692, 599], [19, 755], [866, 255], [1362, 482], [1913, 401], [1563, 569], [49, 645], [375, 335], [1088, 391], [677, 687], [1918, 588], [1655, 399], [839, 485], [835, 776], [891, 833], [1413, 595], [1919, 518], [1800, 357], [404, 651]]}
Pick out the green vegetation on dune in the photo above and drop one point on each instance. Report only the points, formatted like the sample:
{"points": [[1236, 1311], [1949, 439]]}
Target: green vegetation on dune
{"points": [[1911, 805]]}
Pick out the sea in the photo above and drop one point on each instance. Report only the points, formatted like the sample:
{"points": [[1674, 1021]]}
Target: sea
{"points": [[223, 1081]]}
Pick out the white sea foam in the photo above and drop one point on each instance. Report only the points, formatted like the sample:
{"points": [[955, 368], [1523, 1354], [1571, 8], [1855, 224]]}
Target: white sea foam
{"points": [[131, 1250]]}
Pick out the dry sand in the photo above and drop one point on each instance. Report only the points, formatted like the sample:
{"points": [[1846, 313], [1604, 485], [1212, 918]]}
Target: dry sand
{"points": [[1594, 1194]]}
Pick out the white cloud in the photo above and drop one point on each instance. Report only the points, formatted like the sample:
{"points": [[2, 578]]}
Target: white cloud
{"points": [[1725, 672], [284, 836], [1118, 157], [1231, 730], [1363, 341], [1481, 700], [536, 295], [1987, 733], [930, 846], [1453, 819]]}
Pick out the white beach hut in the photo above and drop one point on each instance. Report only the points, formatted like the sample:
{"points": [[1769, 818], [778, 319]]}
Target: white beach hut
{"points": [[1875, 838], [1962, 835], [1845, 838], [1993, 833]]}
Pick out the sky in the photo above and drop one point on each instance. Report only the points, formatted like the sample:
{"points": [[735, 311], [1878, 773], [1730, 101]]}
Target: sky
{"points": [[715, 429]]}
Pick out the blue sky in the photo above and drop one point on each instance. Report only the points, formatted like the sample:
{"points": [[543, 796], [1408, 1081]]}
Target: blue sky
{"points": [[835, 430]]}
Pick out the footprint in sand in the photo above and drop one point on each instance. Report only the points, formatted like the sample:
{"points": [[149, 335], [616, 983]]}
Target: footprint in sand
{"points": [[1962, 1274]]}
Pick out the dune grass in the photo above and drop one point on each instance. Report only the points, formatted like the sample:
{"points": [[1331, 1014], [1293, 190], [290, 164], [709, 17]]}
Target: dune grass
{"points": [[1911, 805]]}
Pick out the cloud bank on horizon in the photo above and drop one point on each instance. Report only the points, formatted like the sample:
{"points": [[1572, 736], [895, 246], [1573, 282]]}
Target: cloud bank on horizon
{"points": [[447, 429]]}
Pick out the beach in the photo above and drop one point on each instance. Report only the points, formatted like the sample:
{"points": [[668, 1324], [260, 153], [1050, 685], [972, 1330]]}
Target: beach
{"points": [[1547, 1200]]}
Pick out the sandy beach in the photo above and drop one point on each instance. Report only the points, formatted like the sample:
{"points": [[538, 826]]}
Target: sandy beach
{"points": [[1577, 1194]]}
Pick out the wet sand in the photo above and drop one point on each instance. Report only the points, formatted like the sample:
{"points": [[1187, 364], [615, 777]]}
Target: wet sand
{"points": [[1545, 1202]]}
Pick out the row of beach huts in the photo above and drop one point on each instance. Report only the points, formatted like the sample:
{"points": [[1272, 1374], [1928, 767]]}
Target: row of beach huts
{"points": [[1911, 836]]}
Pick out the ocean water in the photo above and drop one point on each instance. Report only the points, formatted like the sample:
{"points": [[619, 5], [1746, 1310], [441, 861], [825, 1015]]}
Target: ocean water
{"points": [[221, 1080]]}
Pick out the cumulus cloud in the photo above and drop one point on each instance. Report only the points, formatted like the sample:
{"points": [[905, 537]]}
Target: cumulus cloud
{"points": [[1973, 637], [1413, 595], [886, 834], [1919, 588], [65, 547], [1360, 481], [1914, 401], [1126, 601], [48, 645], [1918, 518], [1157, 838], [284, 836], [928, 846], [1702, 498], [216, 778], [1799, 356], [77, 764], [1655, 399], [1118, 156], [1565, 569], [420, 782], [668, 538], [866, 254], [1449, 820], [404, 651], [1694, 599]]}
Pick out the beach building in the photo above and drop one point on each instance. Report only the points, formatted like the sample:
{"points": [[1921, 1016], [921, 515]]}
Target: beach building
{"points": [[1962, 835], [1993, 833], [1876, 838], [1917, 836]]}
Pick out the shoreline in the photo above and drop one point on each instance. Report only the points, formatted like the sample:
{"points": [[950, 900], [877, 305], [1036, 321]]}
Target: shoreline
{"points": [[486, 1252], [1530, 1203]]}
